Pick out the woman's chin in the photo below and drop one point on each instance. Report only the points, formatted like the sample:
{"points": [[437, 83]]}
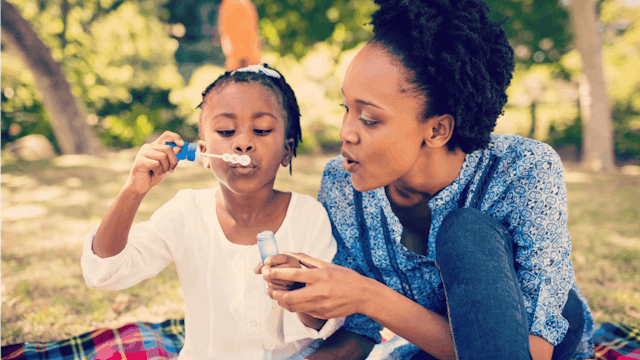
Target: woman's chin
{"points": [[363, 185]]}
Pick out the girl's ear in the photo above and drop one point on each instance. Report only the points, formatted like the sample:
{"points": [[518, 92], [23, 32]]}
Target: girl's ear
{"points": [[438, 130], [287, 154], [202, 146]]}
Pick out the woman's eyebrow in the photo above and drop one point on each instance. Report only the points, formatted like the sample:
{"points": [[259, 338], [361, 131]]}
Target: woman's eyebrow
{"points": [[363, 102]]}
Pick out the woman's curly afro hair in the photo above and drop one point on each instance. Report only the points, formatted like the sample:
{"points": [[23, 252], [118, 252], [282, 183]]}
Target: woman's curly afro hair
{"points": [[458, 58]]}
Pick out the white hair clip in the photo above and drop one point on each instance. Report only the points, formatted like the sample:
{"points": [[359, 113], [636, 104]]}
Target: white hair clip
{"points": [[259, 69]]}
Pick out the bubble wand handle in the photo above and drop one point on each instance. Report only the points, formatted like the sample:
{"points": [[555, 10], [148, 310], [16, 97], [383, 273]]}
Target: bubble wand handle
{"points": [[191, 151]]}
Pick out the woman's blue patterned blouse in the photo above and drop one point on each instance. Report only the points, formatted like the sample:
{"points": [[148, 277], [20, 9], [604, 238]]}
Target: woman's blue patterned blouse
{"points": [[519, 182]]}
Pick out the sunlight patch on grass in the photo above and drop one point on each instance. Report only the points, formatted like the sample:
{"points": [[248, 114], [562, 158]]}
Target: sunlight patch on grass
{"points": [[575, 177], [66, 161], [23, 212]]}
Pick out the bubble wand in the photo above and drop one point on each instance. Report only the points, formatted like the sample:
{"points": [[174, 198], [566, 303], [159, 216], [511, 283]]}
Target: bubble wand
{"points": [[191, 152]]}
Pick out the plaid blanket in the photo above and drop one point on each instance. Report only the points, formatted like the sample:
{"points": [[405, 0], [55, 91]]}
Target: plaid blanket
{"points": [[163, 341], [137, 341], [617, 342]]}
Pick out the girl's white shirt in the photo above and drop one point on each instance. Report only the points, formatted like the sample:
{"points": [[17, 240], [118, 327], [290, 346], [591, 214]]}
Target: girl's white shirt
{"points": [[227, 312]]}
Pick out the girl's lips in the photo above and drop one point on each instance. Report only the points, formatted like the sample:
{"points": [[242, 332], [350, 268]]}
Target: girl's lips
{"points": [[244, 170]]}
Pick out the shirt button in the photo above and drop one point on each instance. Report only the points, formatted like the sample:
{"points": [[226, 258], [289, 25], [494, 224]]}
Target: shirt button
{"points": [[252, 286], [254, 323]]}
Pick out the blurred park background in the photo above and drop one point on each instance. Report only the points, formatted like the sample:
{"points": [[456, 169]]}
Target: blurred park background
{"points": [[86, 82]]}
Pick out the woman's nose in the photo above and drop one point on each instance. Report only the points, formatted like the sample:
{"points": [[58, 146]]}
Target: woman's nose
{"points": [[242, 143], [347, 132]]}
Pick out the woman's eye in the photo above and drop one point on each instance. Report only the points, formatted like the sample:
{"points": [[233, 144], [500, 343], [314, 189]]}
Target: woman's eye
{"points": [[367, 122], [226, 132], [345, 107], [261, 132]]}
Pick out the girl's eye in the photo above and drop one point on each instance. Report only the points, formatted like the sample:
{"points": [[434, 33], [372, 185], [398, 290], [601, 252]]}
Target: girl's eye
{"points": [[367, 122], [345, 107], [226, 132], [261, 132]]}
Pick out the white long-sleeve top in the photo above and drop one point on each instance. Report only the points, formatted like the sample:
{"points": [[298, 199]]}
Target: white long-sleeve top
{"points": [[227, 312]]}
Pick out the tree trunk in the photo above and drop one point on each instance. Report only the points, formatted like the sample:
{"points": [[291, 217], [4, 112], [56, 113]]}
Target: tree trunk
{"points": [[68, 120], [597, 140]]}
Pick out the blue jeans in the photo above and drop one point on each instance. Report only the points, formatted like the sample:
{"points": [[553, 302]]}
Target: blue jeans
{"points": [[475, 255]]}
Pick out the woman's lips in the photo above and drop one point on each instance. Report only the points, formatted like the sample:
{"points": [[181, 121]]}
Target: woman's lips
{"points": [[348, 164]]}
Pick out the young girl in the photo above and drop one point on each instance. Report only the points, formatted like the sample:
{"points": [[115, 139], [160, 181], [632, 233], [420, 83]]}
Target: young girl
{"points": [[453, 238], [210, 234]]}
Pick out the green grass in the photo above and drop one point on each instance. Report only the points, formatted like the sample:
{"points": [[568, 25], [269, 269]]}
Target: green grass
{"points": [[48, 207]]}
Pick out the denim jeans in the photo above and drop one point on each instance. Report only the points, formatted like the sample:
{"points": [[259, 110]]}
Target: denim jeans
{"points": [[475, 255]]}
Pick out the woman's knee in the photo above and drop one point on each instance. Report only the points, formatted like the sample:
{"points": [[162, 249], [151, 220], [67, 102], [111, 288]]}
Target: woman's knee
{"points": [[468, 229]]}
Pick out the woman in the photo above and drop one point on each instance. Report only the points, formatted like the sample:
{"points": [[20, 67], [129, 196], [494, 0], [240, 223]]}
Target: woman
{"points": [[452, 237]]}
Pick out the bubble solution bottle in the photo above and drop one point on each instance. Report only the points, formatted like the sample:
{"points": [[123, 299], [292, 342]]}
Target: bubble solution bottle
{"points": [[267, 244]]}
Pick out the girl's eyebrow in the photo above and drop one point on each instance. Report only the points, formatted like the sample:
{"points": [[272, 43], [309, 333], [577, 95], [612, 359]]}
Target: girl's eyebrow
{"points": [[261, 114], [363, 102], [254, 116]]}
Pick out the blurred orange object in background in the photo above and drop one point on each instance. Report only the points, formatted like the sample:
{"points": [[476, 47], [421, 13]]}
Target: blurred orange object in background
{"points": [[238, 26]]}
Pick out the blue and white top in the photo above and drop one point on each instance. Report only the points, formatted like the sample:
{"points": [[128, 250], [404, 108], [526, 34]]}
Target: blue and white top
{"points": [[519, 182]]}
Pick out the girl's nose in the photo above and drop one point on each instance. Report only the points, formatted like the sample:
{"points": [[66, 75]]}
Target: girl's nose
{"points": [[242, 143], [347, 133]]}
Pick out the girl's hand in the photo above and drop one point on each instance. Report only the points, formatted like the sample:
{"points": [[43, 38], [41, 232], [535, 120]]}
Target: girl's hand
{"points": [[283, 261], [331, 291], [152, 163]]}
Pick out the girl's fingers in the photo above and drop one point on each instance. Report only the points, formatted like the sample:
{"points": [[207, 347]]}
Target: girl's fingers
{"points": [[169, 136], [258, 269], [161, 157]]}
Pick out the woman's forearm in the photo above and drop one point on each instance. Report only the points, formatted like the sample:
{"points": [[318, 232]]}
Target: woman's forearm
{"points": [[408, 319]]}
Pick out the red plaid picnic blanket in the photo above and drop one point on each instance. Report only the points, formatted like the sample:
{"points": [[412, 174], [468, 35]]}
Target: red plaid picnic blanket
{"points": [[163, 341], [616, 342], [137, 341]]}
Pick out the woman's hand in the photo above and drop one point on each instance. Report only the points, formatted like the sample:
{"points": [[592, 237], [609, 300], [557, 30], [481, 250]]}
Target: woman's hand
{"points": [[281, 261], [152, 163], [331, 291]]}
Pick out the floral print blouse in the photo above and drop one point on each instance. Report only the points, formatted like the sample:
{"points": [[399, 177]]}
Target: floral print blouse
{"points": [[519, 182]]}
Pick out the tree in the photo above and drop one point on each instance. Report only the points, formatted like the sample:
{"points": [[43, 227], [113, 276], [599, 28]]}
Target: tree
{"points": [[116, 56], [542, 31], [537, 30], [597, 140], [68, 119]]}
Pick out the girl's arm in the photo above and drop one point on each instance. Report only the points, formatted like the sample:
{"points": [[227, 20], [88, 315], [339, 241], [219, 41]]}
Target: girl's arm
{"points": [[150, 166], [344, 345]]}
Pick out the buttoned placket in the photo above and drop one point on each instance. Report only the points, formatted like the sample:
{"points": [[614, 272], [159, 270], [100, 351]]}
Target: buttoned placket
{"points": [[251, 306]]}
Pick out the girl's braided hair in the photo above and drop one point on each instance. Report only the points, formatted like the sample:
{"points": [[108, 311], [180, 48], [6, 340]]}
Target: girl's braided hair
{"points": [[457, 57], [282, 90]]}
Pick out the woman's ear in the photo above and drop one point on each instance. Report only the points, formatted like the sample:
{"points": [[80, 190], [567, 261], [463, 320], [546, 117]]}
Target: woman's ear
{"points": [[202, 147], [439, 130], [287, 154]]}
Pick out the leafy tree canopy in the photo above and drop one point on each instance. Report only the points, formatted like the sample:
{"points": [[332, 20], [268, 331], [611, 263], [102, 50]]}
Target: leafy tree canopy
{"points": [[538, 31]]}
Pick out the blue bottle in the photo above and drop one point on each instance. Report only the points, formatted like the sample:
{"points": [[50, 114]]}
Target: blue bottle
{"points": [[188, 152], [267, 244]]}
